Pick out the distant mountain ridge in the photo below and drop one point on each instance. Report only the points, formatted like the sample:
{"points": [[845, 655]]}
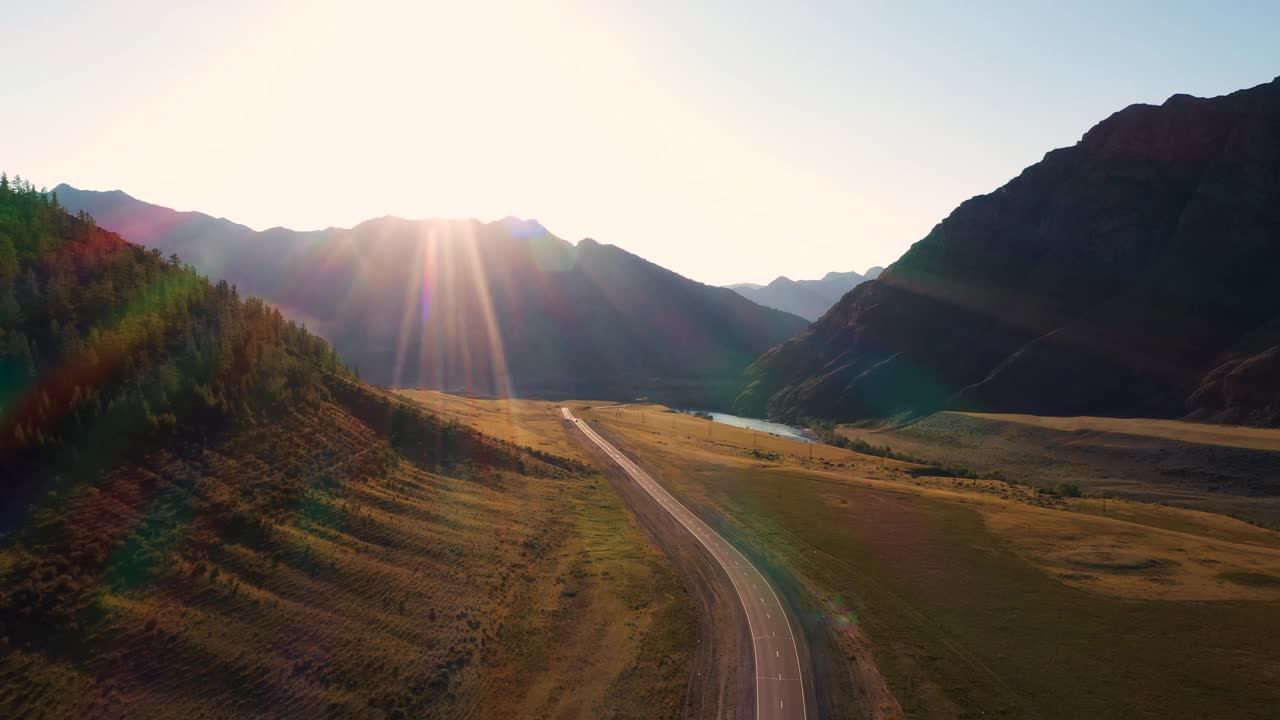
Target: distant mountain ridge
{"points": [[807, 298], [488, 308], [1131, 274]]}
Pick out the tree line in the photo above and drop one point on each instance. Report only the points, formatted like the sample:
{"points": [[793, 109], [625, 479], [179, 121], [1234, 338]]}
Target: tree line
{"points": [[108, 349]]}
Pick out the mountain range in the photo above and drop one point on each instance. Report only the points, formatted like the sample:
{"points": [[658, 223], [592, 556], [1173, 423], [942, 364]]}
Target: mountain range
{"points": [[1133, 273], [502, 308], [807, 298]]}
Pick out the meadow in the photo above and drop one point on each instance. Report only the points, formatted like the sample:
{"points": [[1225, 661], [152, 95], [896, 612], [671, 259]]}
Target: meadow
{"points": [[390, 585], [983, 598], [1225, 469]]}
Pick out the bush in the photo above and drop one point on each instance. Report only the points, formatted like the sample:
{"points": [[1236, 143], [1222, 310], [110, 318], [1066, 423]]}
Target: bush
{"points": [[1069, 490]]}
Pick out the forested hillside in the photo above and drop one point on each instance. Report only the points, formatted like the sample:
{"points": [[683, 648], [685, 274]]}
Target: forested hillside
{"points": [[110, 350], [205, 515]]}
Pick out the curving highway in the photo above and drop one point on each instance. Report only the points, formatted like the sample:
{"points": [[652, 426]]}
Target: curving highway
{"points": [[779, 683]]}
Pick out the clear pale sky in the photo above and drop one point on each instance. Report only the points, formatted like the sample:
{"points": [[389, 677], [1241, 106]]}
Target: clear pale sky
{"points": [[729, 141]]}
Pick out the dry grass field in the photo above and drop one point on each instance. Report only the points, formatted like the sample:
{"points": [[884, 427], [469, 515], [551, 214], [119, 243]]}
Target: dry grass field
{"points": [[387, 590], [1199, 433], [528, 423], [1229, 470], [983, 599]]}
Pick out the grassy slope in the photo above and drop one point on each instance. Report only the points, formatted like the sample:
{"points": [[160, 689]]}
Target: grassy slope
{"points": [[389, 591], [528, 423], [1200, 433], [965, 616], [203, 514], [1223, 469], [611, 549]]}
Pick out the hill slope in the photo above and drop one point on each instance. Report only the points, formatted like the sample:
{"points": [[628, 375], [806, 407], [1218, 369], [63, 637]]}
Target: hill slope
{"points": [[495, 308], [1130, 274], [206, 516], [807, 298]]}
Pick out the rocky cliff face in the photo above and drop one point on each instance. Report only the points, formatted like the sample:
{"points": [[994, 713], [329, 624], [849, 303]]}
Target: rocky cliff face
{"points": [[1133, 273]]}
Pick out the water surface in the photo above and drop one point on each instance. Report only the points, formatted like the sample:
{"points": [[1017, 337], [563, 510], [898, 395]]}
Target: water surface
{"points": [[773, 428]]}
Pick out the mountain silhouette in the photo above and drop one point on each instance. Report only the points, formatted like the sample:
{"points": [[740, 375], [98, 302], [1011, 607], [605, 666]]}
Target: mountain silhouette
{"points": [[502, 307], [807, 298], [1133, 273]]}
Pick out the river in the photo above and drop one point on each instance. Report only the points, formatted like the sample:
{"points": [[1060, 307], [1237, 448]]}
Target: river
{"points": [[773, 428]]}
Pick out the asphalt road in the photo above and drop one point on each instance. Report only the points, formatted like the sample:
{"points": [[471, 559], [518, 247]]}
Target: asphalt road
{"points": [[779, 684]]}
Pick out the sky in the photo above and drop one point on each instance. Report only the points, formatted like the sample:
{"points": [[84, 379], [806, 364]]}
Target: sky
{"points": [[728, 141]]}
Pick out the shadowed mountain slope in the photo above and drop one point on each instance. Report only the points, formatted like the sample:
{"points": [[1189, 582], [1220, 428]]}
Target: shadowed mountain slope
{"points": [[1130, 274], [493, 308], [807, 298]]}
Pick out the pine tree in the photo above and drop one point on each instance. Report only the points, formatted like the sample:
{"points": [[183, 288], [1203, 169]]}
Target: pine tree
{"points": [[10, 315], [19, 359], [8, 257]]}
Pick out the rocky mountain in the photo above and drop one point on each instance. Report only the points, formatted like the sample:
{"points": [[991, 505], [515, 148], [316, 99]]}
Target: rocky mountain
{"points": [[1133, 273], [807, 298], [490, 308]]}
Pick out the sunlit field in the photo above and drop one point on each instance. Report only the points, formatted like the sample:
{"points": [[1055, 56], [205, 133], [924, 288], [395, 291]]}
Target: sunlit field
{"points": [[1226, 469], [982, 597], [530, 423], [384, 590]]}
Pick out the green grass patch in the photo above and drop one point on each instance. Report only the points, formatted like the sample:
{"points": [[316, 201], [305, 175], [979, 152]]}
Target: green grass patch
{"points": [[1252, 579]]}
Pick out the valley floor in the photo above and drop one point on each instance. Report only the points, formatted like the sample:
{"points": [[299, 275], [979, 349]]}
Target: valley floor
{"points": [[944, 598], [1224, 469], [981, 599]]}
